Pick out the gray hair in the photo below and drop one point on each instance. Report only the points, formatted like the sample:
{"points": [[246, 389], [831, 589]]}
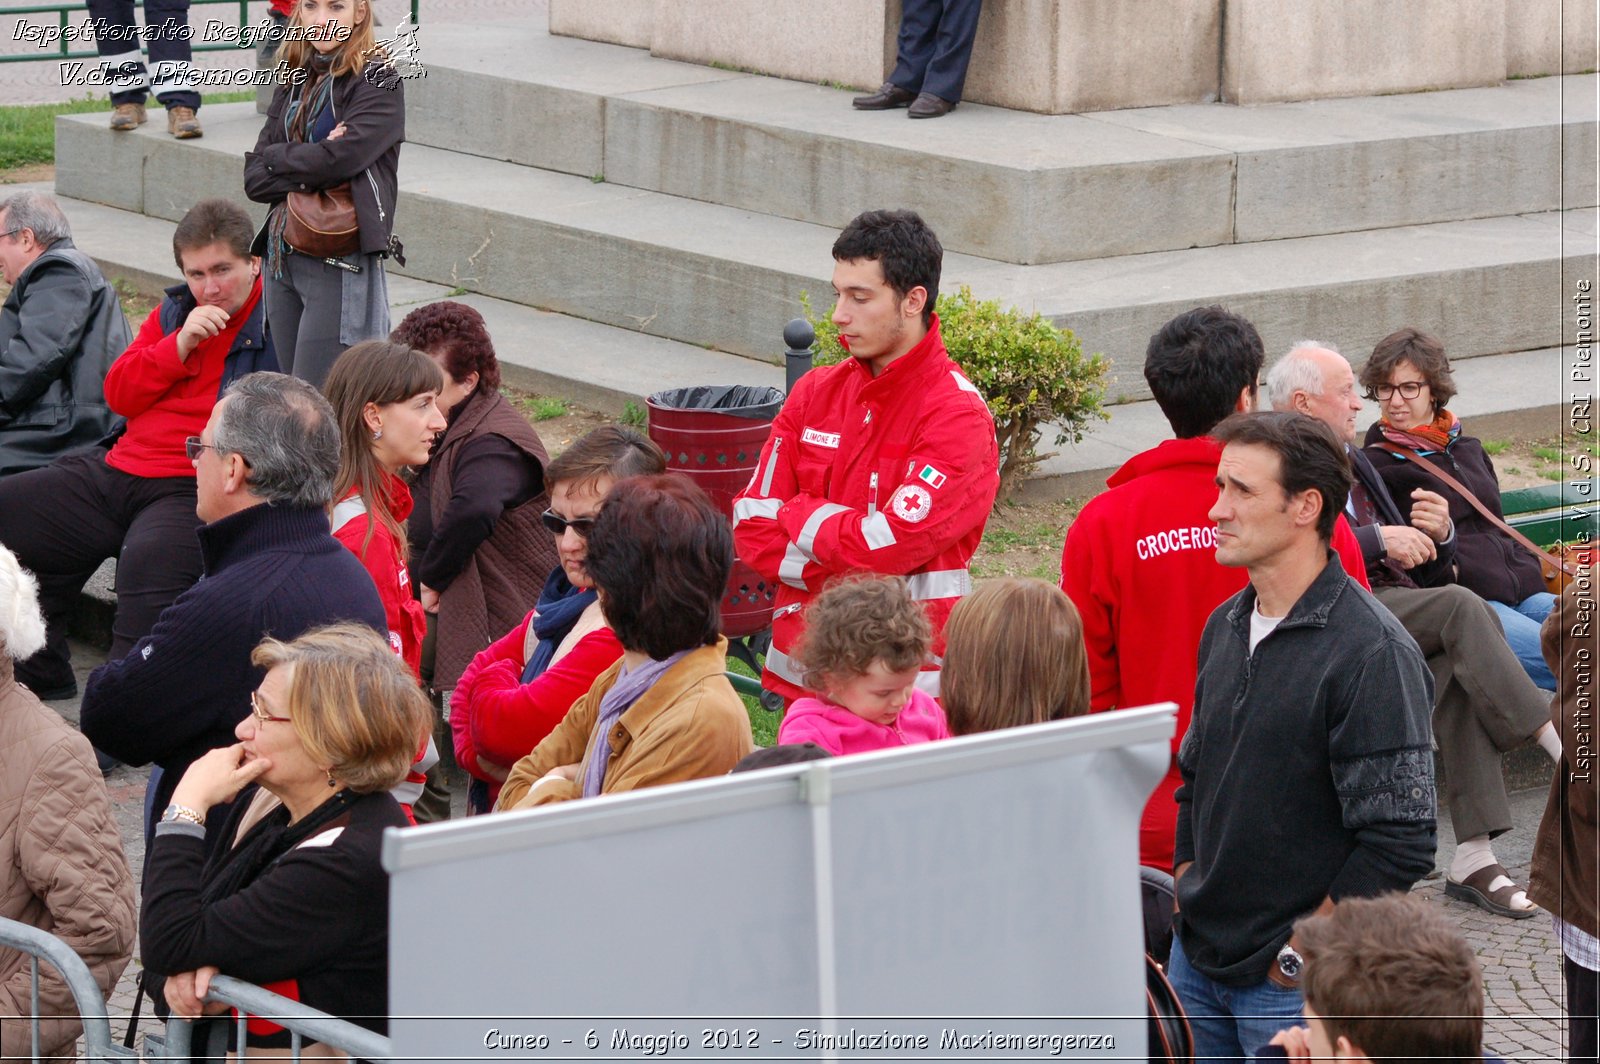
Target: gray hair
{"points": [[1295, 373], [21, 622], [38, 211], [285, 430]]}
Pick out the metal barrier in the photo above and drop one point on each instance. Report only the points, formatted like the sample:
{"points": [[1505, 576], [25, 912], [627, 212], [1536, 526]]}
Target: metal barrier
{"points": [[301, 1021], [41, 945], [65, 8]]}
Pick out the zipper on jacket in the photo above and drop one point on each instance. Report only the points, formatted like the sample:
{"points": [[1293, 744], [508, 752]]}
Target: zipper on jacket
{"points": [[772, 464], [872, 495], [374, 183]]}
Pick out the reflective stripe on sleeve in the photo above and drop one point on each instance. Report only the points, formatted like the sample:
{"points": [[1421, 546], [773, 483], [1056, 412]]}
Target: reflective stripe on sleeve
{"points": [[876, 531], [793, 564], [807, 540], [940, 584], [767, 508], [780, 665]]}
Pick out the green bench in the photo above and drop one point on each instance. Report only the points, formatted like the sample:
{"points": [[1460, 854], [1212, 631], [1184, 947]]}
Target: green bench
{"points": [[1568, 512]]}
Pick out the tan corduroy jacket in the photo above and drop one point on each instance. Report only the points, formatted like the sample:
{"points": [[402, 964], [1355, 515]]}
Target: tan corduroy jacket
{"points": [[62, 868], [688, 726]]}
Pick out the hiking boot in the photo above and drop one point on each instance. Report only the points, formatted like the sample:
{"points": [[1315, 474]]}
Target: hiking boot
{"points": [[183, 123], [127, 116]]}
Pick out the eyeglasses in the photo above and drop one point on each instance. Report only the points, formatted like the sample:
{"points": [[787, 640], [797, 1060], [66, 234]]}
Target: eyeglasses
{"points": [[558, 524], [261, 714], [12, 232], [1409, 390], [194, 445]]}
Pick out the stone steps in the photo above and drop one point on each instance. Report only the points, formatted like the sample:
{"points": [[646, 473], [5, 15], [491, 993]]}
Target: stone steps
{"points": [[1007, 185], [727, 278]]}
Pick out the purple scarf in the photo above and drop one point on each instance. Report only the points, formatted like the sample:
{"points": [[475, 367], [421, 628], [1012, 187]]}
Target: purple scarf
{"points": [[630, 686]]}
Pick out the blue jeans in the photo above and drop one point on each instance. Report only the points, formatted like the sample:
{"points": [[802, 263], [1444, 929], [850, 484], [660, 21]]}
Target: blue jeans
{"points": [[1521, 623], [1231, 1022]]}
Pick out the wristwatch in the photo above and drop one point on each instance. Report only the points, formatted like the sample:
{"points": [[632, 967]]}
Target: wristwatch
{"points": [[182, 812], [1290, 962]]}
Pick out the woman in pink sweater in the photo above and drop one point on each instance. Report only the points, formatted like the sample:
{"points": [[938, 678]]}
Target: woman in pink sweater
{"points": [[864, 644]]}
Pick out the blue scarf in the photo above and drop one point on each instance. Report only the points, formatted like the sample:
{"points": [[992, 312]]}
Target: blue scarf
{"points": [[630, 687], [560, 604]]}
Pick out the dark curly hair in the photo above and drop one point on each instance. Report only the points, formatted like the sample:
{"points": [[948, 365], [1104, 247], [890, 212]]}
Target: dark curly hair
{"points": [[455, 332], [858, 620], [1422, 350]]}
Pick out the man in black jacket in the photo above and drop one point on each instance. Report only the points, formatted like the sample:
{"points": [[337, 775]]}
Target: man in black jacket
{"points": [[1307, 767], [1485, 703], [60, 330], [264, 470]]}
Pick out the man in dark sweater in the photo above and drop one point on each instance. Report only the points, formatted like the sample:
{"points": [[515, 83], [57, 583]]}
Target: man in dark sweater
{"points": [[1307, 768], [1484, 703], [264, 469]]}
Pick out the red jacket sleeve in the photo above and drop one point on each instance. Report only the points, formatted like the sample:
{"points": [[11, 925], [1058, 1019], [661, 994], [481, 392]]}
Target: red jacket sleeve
{"points": [[147, 370], [1084, 582], [507, 648], [508, 719], [1348, 548], [757, 539]]}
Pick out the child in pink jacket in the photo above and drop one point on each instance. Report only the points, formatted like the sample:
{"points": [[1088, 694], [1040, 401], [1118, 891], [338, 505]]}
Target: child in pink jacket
{"points": [[864, 644]]}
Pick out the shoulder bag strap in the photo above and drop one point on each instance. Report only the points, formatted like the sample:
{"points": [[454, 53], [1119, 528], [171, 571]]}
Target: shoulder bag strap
{"points": [[1477, 504]]}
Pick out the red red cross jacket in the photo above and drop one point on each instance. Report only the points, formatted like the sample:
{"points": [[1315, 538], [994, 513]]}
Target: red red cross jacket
{"points": [[894, 475]]}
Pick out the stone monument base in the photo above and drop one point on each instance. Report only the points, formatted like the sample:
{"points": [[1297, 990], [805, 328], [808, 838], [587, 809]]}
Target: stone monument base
{"points": [[1066, 56]]}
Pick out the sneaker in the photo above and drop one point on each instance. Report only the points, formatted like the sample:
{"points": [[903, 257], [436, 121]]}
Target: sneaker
{"points": [[183, 123], [127, 116]]}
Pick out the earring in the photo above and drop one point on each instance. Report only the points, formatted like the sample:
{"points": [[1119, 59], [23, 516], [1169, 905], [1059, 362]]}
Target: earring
{"points": [[330, 778], [377, 434]]}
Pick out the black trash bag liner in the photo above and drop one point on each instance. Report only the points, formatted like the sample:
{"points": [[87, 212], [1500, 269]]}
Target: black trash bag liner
{"points": [[753, 401]]}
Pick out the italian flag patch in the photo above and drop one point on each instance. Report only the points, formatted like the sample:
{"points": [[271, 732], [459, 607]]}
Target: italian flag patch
{"points": [[931, 477]]}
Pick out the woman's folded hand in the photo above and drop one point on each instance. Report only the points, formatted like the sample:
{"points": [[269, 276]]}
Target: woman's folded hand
{"points": [[217, 776]]}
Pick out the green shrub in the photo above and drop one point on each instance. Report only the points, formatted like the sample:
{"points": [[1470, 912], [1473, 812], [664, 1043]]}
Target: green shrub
{"points": [[1032, 373]]}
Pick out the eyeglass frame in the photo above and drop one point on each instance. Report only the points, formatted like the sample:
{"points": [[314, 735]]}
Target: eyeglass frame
{"points": [[1377, 394], [261, 715], [193, 445], [558, 525]]}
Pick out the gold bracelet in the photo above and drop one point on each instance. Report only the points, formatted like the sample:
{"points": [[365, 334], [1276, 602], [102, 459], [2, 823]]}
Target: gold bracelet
{"points": [[182, 812]]}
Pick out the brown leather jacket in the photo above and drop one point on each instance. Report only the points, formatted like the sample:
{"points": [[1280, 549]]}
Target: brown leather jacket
{"points": [[1563, 880], [502, 581], [64, 870], [689, 726]]}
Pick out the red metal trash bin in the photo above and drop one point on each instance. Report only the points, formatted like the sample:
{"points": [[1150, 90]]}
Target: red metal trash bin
{"points": [[713, 434]]}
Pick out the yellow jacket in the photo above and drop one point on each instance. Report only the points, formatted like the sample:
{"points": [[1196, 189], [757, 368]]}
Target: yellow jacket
{"points": [[688, 726]]}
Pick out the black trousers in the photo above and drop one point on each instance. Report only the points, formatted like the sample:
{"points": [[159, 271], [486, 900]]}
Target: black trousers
{"points": [[62, 521], [1583, 1005], [935, 46], [166, 37]]}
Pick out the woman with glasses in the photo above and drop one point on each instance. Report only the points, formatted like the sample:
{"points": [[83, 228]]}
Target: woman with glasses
{"points": [[299, 902], [659, 553], [518, 689], [1409, 377]]}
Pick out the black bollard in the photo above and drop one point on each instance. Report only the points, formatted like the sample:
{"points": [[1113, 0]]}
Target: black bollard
{"points": [[798, 336]]}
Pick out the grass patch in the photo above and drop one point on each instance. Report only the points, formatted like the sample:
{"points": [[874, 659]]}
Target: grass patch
{"points": [[28, 131], [1040, 535], [1548, 454], [763, 723], [545, 407], [1553, 474], [633, 415], [1495, 446]]}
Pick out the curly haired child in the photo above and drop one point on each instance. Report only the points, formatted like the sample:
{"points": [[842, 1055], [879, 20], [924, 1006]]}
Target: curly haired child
{"points": [[864, 644]]}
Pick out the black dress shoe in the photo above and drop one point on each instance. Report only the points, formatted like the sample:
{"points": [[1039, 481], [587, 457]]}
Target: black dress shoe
{"points": [[928, 105], [885, 99]]}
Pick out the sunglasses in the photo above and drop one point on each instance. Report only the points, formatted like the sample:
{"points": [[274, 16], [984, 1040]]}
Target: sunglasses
{"points": [[261, 714], [558, 524], [193, 446]]}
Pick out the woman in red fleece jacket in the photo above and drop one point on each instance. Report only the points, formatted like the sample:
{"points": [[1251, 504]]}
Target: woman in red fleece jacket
{"points": [[518, 689], [386, 397]]}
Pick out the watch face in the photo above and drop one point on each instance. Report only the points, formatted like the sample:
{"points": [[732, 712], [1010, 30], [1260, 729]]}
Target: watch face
{"points": [[1289, 963]]}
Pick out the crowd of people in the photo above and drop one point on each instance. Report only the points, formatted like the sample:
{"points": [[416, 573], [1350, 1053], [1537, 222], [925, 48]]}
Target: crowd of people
{"points": [[306, 560]]}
